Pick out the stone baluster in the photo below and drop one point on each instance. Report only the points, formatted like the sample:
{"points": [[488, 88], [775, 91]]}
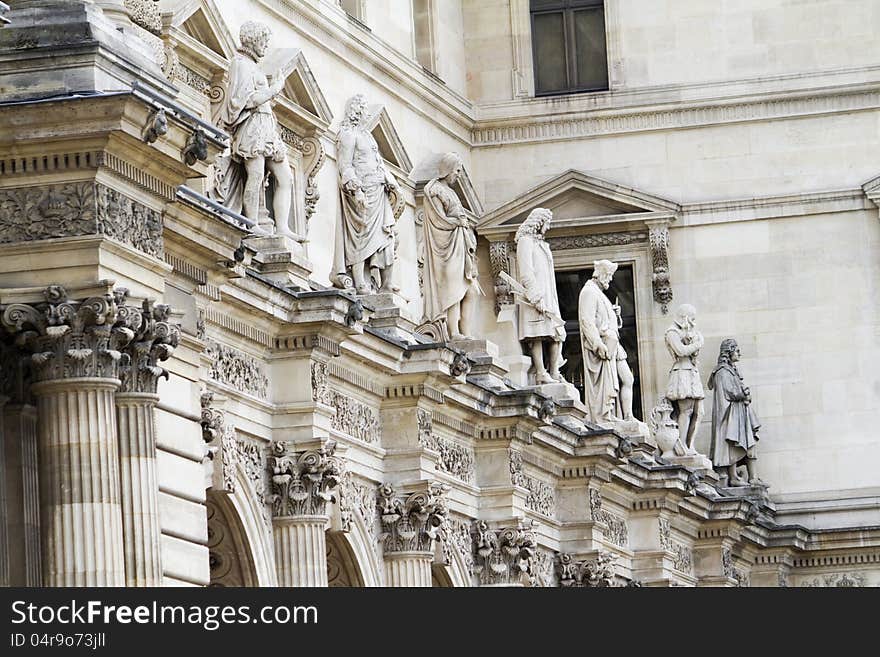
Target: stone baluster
{"points": [[506, 556], [154, 341], [75, 356], [411, 523], [302, 485]]}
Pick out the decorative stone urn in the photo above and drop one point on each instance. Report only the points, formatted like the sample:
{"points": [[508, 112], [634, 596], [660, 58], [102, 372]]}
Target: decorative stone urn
{"points": [[665, 430]]}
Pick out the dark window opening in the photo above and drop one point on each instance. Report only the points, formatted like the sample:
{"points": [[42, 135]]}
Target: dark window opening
{"points": [[568, 46], [621, 291]]}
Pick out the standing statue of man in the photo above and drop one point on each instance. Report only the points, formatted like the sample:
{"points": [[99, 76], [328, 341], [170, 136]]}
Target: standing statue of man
{"points": [[367, 228], [540, 321], [451, 283], [684, 389], [608, 380], [734, 423], [246, 113]]}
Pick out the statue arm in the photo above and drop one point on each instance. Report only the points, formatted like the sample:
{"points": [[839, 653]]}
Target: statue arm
{"points": [[589, 330], [673, 339], [733, 391], [260, 96], [345, 156], [526, 271]]}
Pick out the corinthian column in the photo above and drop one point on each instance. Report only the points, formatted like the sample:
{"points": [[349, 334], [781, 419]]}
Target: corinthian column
{"points": [[505, 556], [302, 485], [75, 352], [410, 525], [154, 341]]}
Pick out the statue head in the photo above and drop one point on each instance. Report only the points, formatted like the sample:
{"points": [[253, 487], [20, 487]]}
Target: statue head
{"points": [[729, 352], [450, 168], [686, 316], [603, 272], [254, 37], [536, 223], [355, 110]]}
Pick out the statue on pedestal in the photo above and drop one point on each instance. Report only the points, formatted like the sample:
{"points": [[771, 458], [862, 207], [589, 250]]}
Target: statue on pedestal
{"points": [[734, 423], [540, 321], [684, 389], [451, 283], [246, 113], [608, 380], [365, 239]]}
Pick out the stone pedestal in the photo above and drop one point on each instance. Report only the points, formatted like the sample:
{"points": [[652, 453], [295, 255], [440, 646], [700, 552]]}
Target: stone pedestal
{"points": [[518, 367], [758, 493], [476, 347], [23, 494], [81, 510], [693, 461], [408, 569], [388, 315], [559, 391], [301, 550], [282, 260], [140, 488]]}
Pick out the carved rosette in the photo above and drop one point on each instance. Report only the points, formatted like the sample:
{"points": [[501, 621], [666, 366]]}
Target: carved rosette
{"points": [[67, 338], [658, 237], [303, 483], [412, 522], [155, 340], [592, 573], [499, 262], [504, 556]]}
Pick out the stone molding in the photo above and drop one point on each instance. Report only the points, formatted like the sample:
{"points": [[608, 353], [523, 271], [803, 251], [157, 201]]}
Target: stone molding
{"points": [[303, 483], [597, 240], [73, 339], [411, 522], [78, 209], [504, 556], [590, 573]]}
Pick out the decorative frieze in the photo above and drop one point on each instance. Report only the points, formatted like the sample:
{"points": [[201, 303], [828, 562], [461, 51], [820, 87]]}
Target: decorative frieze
{"points": [[658, 234], [359, 498], [458, 540], [355, 419], [154, 341], [236, 370], [321, 391], [665, 533], [252, 459], [70, 338], [504, 556], [456, 460], [499, 261], [145, 13], [837, 580], [614, 528], [727, 563], [78, 209], [194, 80], [741, 576], [412, 522], [543, 569], [222, 448], [683, 558], [302, 483], [567, 242], [594, 573]]}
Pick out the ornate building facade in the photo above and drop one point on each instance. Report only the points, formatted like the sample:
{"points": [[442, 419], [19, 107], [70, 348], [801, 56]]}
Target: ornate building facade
{"points": [[197, 389]]}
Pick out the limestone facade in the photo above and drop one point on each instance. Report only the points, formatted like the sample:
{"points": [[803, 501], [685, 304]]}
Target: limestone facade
{"points": [[226, 414]]}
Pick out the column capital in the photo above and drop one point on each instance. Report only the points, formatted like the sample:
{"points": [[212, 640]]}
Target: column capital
{"points": [[589, 573], [302, 483], [504, 556], [68, 338], [412, 521], [154, 340]]}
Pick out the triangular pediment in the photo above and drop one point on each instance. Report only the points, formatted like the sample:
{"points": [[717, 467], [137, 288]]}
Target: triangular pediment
{"points": [[301, 95], [199, 21], [578, 199], [872, 190], [428, 169], [390, 146]]}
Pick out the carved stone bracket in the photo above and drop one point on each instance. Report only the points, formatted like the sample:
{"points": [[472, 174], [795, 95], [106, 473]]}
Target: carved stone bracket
{"points": [[155, 340], [68, 338], [303, 483], [222, 449], [499, 260], [412, 522], [594, 573], [504, 556], [658, 236]]}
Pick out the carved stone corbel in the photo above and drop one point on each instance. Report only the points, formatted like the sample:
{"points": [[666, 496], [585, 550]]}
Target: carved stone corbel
{"points": [[222, 452], [499, 253], [658, 236]]}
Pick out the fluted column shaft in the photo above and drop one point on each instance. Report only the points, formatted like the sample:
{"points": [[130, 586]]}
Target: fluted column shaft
{"points": [[23, 494], [140, 489], [408, 569], [301, 550], [79, 479]]}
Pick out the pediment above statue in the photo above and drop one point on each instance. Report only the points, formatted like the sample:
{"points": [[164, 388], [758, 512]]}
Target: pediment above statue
{"points": [[199, 21], [580, 203], [301, 105], [390, 145]]}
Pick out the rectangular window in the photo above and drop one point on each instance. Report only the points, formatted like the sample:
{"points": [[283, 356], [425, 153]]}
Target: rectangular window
{"points": [[568, 45], [621, 290]]}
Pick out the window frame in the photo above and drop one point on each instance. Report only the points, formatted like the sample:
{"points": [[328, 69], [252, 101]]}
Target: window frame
{"points": [[567, 8]]}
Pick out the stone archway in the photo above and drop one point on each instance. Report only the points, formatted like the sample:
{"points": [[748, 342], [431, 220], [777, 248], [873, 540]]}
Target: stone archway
{"points": [[342, 568], [440, 578], [230, 555]]}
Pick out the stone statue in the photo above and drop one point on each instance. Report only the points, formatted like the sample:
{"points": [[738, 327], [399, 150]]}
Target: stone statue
{"points": [[608, 380], [246, 113], [734, 423], [539, 319], [451, 283], [366, 234], [684, 389]]}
